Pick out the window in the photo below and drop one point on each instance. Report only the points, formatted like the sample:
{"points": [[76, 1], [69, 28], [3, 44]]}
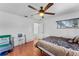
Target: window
{"points": [[70, 23]]}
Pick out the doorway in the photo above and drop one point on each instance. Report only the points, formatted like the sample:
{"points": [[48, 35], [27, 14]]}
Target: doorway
{"points": [[38, 30]]}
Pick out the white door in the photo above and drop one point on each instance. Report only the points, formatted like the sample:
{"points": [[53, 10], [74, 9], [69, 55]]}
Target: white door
{"points": [[39, 30]]}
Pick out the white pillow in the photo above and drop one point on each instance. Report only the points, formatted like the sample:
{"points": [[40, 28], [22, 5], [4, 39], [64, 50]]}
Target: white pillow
{"points": [[76, 39], [70, 41]]}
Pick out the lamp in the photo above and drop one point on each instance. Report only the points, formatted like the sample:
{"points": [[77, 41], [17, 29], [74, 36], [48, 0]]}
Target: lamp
{"points": [[41, 14]]}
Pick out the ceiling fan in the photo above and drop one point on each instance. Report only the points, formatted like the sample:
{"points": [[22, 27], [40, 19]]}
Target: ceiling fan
{"points": [[43, 10]]}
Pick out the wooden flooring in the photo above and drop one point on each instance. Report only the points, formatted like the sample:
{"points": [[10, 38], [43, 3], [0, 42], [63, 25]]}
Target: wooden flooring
{"points": [[27, 49]]}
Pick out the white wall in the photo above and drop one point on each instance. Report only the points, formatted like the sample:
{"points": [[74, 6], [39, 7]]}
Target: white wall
{"points": [[51, 26], [13, 24]]}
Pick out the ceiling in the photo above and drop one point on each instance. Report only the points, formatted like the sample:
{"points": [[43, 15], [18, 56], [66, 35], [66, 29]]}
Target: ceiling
{"points": [[21, 9]]}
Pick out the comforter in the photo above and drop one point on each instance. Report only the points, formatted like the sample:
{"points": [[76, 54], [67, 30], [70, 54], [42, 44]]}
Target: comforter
{"points": [[59, 46]]}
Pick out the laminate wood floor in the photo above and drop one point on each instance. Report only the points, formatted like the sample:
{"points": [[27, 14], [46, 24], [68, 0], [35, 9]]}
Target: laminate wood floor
{"points": [[27, 49]]}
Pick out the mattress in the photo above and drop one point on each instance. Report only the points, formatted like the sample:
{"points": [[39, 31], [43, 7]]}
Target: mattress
{"points": [[5, 48]]}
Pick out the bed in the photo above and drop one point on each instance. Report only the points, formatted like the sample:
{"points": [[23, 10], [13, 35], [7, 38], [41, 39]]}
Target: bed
{"points": [[58, 46], [5, 44]]}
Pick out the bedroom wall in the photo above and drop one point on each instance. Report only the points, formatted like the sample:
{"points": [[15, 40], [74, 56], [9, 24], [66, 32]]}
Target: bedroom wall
{"points": [[13, 24], [51, 26]]}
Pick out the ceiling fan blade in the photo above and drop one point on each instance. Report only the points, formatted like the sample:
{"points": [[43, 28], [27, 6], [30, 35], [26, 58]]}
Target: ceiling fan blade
{"points": [[48, 6], [25, 16], [49, 13], [32, 7], [34, 14]]}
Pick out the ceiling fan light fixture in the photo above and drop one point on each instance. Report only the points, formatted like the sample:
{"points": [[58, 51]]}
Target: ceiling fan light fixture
{"points": [[43, 10], [41, 14]]}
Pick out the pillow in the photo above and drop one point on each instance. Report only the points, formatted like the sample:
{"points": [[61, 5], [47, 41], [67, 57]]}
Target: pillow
{"points": [[76, 39], [70, 41]]}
